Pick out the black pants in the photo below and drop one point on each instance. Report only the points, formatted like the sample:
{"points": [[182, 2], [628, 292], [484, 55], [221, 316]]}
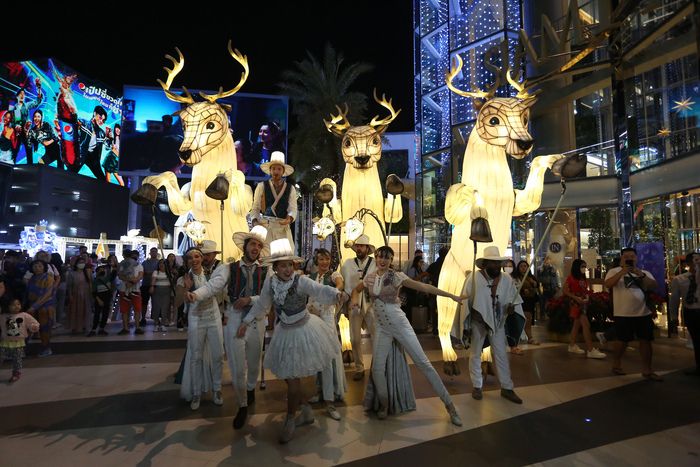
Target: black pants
{"points": [[92, 160], [145, 297], [52, 153], [691, 318], [102, 311]]}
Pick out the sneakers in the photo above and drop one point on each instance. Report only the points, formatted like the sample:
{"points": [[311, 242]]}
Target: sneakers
{"points": [[306, 417], [287, 429], [595, 353], [240, 418], [477, 394], [601, 338], [15, 377], [454, 416], [194, 405], [123, 332], [102, 332], [332, 412], [250, 396], [218, 398], [576, 349], [315, 399], [45, 353], [511, 396]]}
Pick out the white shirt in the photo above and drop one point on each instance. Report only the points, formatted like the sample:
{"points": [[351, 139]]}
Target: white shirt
{"points": [[628, 298], [482, 302], [679, 291], [257, 201], [352, 270]]}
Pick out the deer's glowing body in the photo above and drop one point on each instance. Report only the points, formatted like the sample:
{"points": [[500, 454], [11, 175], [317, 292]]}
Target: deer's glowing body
{"points": [[362, 148], [500, 130], [208, 148]]}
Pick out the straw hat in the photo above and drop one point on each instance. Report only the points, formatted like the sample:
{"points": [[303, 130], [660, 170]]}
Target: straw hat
{"points": [[363, 240], [209, 246], [491, 253], [259, 233], [277, 158], [281, 250]]}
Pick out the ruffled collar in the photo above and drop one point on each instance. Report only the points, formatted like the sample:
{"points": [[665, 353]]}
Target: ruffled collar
{"points": [[280, 289]]}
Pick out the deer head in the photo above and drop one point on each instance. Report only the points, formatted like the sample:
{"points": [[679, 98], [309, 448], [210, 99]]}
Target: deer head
{"points": [[205, 124], [362, 145], [502, 121]]}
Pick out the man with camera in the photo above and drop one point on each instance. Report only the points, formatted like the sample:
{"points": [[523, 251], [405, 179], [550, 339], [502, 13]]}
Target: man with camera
{"points": [[633, 319]]}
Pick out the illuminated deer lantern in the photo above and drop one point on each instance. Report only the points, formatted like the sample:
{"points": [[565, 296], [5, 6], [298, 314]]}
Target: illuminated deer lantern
{"points": [[500, 130], [208, 148], [362, 148]]}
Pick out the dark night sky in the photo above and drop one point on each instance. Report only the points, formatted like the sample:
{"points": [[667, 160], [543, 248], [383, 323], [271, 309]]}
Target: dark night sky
{"points": [[126, 44]]}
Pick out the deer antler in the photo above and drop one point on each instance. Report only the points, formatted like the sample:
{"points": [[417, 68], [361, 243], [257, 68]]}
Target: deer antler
{"points": [[376, 121], [243, 60], [478, 94], [177, 68], [339, 123], [522, 87]]}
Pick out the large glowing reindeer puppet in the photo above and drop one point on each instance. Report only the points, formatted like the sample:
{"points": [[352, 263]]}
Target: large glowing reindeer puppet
{"points": [[500, 131], [362, 148], [208, 148]]}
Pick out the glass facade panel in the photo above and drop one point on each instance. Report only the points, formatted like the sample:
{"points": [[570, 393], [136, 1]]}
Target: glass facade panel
{"points": [[433, 59], [435, 110], [436, 180], [594, 138], [472, 20], [432, 13]]}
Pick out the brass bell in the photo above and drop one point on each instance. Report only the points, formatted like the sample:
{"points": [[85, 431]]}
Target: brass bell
{"points": [[146, 195], [481, 231], [218, 188], [394, 185], [324, 194]]}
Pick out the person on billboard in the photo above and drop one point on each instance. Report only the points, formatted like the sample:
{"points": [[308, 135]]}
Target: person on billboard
{"points": [[41, 133], [92, 139], [21, 118], [269, 141], [8, 139], [111, 163], [67, 122]]}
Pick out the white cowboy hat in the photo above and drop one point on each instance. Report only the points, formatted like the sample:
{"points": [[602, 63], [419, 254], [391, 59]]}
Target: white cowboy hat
{"points": [[209, 246], [491, 253], [259, 233], [363, 240], [277, 157], [281, 250]]}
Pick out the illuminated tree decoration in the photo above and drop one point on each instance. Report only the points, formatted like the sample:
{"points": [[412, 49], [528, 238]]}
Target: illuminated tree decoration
{"points": [[207, 148]]}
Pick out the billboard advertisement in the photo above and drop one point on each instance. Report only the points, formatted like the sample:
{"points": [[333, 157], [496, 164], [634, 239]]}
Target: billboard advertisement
{"points": [[52, 115], [152, 131]]}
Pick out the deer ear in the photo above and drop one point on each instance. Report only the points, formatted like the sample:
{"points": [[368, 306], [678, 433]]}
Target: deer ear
{"points": [[227, 108], [478, 104], [380, 129]]}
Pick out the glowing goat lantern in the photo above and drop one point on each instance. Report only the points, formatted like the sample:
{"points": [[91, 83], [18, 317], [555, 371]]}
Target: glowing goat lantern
{"points": [[208, 148], [500, 130], [362, 148]]}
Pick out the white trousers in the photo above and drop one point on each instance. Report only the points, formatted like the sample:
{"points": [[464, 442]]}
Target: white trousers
{"points": [[243, 354], [201, 334], [357, 317], [333, 377], [393, 324], [498, 352]]}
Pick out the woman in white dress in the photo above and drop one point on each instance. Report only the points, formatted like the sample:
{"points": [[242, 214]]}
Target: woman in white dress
{"points": [[205, 343], [332, 379], [302, 344], [383, 287]]}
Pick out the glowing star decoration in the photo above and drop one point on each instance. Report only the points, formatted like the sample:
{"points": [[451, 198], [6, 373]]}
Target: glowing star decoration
{"points": [[208, 148], [683, 104], [500, 131], [196, 230], [362, 148], [664, 133]]}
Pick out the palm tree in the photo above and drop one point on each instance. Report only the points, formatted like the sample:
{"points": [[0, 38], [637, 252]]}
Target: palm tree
{"points": [[315, 88]]}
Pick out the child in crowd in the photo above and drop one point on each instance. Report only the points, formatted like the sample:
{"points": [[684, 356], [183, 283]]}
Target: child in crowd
{"points": [[102, 292], [15, 326]]}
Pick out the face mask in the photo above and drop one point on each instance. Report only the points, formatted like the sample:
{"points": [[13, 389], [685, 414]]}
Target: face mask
{"points": [[508, 269], [583, 270], [81, 266]]}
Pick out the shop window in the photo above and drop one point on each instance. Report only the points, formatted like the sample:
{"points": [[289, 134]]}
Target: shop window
{"points": [[599, 231], [436, 180]]}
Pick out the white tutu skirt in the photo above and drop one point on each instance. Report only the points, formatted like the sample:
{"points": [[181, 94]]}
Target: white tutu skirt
{"points": [[302, 349]]}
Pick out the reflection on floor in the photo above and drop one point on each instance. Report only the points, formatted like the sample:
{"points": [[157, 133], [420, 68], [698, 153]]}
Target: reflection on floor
{"points": [[111, 402]]}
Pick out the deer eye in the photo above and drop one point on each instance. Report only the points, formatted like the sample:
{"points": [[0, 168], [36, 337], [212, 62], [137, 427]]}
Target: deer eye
{"points": [[210, 126], [375, 141], [494, 121], [347, 143]]}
